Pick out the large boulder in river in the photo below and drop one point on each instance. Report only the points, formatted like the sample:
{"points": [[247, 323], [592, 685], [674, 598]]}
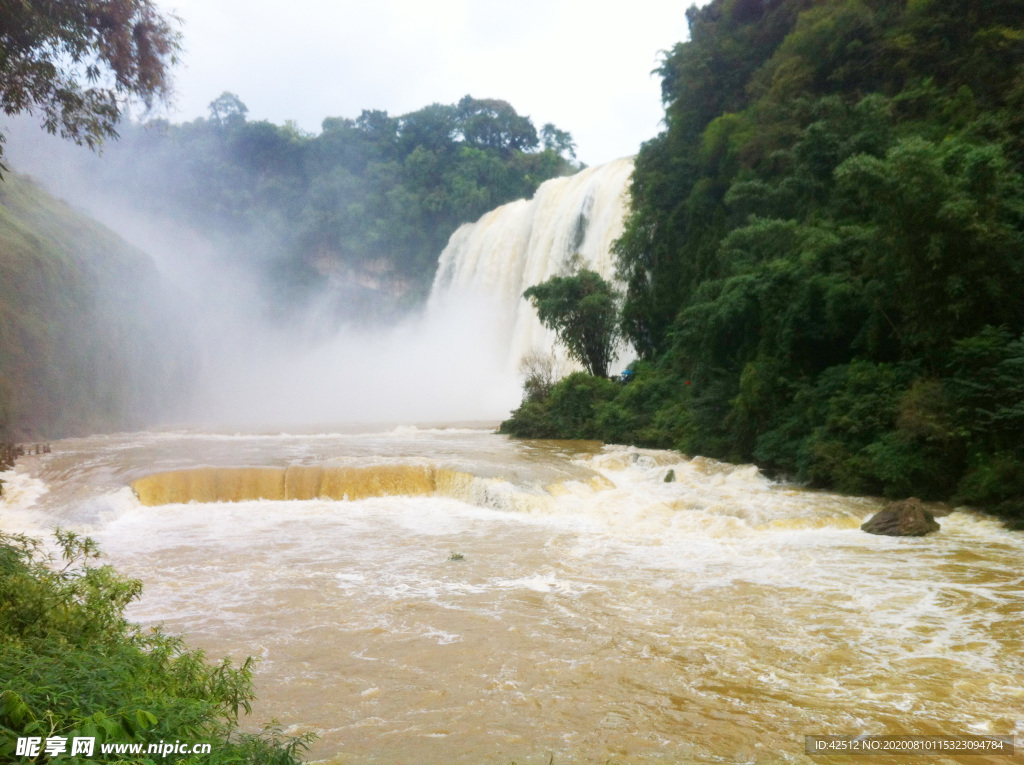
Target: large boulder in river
{"points": [[906, 518]]}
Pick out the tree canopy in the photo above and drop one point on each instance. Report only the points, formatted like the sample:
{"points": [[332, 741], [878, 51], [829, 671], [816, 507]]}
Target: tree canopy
{"points": [[581, 309], [354, 217], [78, 62]]}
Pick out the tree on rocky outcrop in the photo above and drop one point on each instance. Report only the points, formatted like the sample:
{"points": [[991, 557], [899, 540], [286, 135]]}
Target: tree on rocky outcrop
{"points": [[79, 62]]}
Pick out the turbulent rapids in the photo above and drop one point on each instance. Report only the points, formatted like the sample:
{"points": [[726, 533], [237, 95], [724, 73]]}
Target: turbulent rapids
{"points": [[594, 612]]}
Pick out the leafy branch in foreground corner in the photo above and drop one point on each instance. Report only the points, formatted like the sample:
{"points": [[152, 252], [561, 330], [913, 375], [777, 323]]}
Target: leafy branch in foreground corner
{"points": [[79, 62]]}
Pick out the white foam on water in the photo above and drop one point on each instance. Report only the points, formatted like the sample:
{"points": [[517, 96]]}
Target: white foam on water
{"points": [[21, 493], [442, 637], [21, 490], [721, 600]]}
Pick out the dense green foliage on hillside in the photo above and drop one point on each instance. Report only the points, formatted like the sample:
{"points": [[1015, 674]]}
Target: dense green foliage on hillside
{"points": [[825, 257], [347, 224], [72, 666], [85, 344], [359, 212]]}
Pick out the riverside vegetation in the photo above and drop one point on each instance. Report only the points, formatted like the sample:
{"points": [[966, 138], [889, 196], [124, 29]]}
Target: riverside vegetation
{"points": [[824, 262], [73, 666]]}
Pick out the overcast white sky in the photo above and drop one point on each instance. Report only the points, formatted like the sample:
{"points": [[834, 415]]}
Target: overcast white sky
{"points": [[580, 64]]}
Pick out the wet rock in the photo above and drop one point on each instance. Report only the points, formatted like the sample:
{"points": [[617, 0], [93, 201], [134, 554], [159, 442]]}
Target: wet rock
{"points": [[670, 476], [906, 518]]}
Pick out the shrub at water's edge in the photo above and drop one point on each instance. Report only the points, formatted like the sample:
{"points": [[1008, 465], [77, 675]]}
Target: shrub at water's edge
{"points": [[73, 666], [823, 263]]}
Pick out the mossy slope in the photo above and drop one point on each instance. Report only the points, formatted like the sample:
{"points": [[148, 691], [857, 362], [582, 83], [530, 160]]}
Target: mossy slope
{"points": [[85, 323]]}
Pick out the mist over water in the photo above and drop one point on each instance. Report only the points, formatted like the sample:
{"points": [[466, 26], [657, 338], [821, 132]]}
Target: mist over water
{"points": [[436, 365], [428, 365], [256, 370], [318, 362], [258, 365]]}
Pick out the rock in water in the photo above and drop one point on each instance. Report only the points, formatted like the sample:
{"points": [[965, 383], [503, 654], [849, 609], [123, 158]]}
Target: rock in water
{"points": [[906, 518]]}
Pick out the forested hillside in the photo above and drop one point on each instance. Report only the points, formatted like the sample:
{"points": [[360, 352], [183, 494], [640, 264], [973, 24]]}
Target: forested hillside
{"points": [[825, 258], [87, 335], [357, 213]]}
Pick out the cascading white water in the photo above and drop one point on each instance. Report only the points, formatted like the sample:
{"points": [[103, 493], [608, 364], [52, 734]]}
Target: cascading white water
{"points": [[526, 242]]}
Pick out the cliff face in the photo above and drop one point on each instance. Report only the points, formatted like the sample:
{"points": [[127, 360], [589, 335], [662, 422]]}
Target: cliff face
{"points": [[87, 331]]}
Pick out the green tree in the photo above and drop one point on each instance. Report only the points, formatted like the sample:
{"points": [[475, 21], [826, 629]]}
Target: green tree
{"points": [[227, 109], [79, 62], [558, 141], [493, 124], [582, 309]]}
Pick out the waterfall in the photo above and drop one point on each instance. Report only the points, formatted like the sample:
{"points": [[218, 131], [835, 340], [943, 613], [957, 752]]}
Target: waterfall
{"points": [[526, 242]]}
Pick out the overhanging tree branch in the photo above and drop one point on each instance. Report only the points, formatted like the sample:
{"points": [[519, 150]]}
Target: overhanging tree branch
{"points": [[78, 63]]}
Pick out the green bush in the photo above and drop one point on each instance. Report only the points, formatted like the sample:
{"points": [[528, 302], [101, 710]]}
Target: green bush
{"points": [[569, 411], [995, 481], [74, 666]]}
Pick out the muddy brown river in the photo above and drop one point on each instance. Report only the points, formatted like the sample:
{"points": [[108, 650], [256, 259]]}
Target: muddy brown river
{"points": [[447, 595]]}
